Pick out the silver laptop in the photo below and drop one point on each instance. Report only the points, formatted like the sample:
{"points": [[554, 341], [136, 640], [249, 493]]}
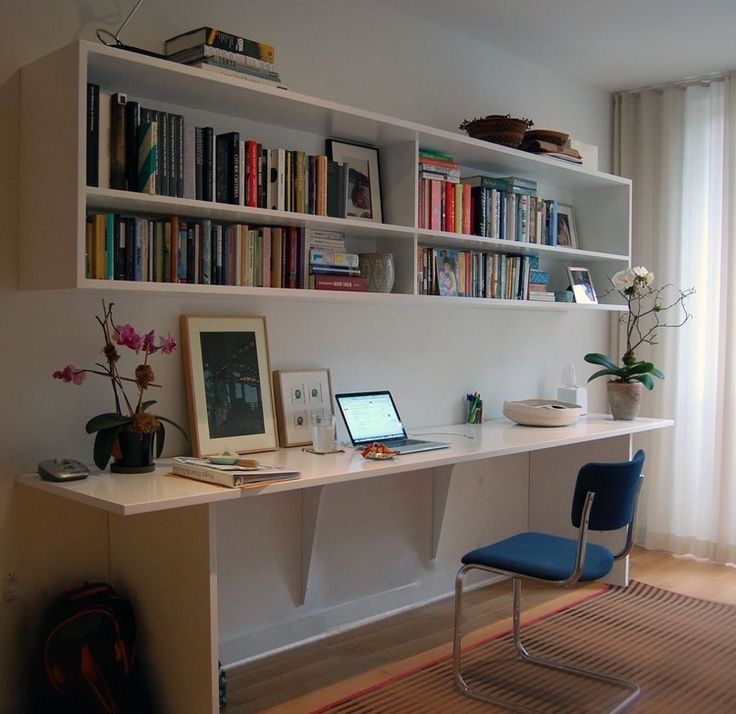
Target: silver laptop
{"points": [[372, 416]]}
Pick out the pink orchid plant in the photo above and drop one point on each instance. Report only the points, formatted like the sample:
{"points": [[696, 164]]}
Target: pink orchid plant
{"points": [[130, 414]]}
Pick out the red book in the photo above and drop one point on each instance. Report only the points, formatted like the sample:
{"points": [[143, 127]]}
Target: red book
{"points": [[435, 205], [467, 207], [251, 162], [338, 282], [449, 206], [422, 203]]}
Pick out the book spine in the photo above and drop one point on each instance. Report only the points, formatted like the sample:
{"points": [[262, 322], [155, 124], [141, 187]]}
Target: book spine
{"points": [[266, 267], [147, 157], [449, 191], [227, 163], [338, 282], [321, 196], [333, 257], [208, 174], [199, 163], [117, 140], [251, 183], [93, 134], [132, 123], [299, 185], [467, 210], [179, 154], [202, 52], [459, 207]]}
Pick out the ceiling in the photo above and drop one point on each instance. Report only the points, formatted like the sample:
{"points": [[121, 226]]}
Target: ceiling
{"points": [[612, 44]]}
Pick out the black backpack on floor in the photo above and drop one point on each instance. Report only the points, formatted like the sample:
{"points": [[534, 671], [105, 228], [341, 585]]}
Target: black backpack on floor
{"points": [[85, 661]]}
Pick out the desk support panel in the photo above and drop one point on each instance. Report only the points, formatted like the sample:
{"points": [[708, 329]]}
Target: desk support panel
{"points": [[311, 501], [167, 564], [441, 479]]}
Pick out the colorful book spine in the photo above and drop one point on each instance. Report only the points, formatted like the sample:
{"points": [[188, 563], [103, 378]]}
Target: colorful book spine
{"points": [[147, 157]]}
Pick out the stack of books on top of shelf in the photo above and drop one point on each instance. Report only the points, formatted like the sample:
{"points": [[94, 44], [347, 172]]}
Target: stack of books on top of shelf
{"points": [[508, 208], [538, 282], [218, 51], [444, 203], [551, 143]]}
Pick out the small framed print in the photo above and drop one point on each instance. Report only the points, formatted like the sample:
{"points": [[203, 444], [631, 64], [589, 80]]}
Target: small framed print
{"points": [[567, 234], [364, 181], [582, 285], [231, 403], [300, 396]]}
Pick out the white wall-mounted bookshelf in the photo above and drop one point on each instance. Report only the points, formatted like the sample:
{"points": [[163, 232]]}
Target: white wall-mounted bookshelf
{"points": [[54, 198]]}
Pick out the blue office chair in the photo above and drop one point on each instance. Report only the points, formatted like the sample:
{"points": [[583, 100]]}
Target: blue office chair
{"points": [[605, 499]]}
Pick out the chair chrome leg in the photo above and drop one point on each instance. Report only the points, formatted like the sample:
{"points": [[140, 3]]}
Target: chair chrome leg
{"points": [[463, 686]]}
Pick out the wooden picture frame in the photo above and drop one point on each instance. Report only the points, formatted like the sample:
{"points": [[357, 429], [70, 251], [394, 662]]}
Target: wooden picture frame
{"points": [[582, 285], [364, 179], [567, 234], [299, 395], [228, 381]]}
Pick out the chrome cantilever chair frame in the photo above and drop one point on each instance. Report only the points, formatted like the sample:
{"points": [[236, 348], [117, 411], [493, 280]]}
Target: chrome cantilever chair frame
{"points": [[582, 541]]}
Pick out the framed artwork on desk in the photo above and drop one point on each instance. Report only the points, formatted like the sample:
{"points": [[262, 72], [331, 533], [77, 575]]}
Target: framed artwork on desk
{"points": [[228, 380], [364, 181], [299, 397]]}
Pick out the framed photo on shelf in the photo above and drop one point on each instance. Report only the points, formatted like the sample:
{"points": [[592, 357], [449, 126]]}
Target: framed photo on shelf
{"points": [[364, 182], [567, 234], [228, 381], [582, 285], [300, 396]]}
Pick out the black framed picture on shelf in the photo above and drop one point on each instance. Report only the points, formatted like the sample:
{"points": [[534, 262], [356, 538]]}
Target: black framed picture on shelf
{"points": [[567, 234], [582, 286], [364, 181]]}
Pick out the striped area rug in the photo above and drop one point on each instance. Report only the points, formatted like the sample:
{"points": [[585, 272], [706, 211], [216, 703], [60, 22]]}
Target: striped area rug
{"points": [[681, 651]]}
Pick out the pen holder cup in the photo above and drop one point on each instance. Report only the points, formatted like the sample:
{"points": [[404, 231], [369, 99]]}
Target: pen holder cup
{"points": [[474, 413], [323, 433]]}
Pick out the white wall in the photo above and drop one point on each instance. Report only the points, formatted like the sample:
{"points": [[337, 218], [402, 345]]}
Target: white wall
{"points": [[358, 53]]}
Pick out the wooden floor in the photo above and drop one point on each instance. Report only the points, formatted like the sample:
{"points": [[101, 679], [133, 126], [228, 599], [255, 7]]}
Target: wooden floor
{"points": [[273, 682]]}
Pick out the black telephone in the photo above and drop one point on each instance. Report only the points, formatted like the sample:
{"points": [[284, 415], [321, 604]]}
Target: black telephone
{"points": [[62, 470]]}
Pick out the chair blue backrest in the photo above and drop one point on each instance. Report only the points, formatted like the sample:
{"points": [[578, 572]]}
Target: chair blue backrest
{"points": [[615, 486]]}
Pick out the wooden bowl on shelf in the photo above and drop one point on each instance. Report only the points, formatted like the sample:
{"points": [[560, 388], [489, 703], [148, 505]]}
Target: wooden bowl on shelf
{"points": [[497, 128]]}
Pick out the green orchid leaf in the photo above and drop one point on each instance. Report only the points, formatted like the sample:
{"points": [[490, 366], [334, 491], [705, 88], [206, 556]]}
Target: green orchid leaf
{"points": [[615, 372], [106, 421], [597, 358], [645, 379], [104, 443], [160, 436], [146, 405], [641, 368], [174, 424], [658, 373]]}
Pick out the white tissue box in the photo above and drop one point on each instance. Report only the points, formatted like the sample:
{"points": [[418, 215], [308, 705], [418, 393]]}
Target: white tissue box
{"points": [[576, 395]]}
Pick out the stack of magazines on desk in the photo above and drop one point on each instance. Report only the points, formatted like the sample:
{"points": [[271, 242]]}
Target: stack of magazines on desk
{"points": [[230, 475]]}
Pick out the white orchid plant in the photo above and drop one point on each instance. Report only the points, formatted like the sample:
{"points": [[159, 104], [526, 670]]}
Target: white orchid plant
{"points": [[646, 306]]}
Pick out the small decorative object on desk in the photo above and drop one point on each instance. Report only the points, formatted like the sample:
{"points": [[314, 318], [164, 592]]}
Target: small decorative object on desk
{"points": [[542, 412], [644, 316], [498, 128], [569, 390], [130, 431], [378, 269], [474, 408], [378, 452]]}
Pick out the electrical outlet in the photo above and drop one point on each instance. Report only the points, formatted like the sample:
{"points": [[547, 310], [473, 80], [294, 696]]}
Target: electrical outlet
{"points": [[10, 594]]}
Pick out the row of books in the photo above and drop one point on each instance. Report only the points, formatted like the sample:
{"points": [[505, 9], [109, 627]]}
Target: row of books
{"points": [[130, 147], [477, 274], [229, 169], [220, 51], [200, 251], [134, 148]]}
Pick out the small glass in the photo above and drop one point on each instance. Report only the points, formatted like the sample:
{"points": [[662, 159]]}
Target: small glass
{"points": [[323, 433], [474, 413]]}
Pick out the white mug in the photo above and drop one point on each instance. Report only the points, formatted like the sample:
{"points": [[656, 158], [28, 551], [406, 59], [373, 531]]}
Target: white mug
{"points": [[323, 433]]}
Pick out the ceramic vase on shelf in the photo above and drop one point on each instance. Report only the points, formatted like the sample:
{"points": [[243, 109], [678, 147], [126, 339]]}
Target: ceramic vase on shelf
{"points": [[624, 399], [135, 453], [378, 268]]}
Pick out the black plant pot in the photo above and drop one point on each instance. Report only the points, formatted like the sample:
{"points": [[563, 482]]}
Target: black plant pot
{"points": [[136, 451]]}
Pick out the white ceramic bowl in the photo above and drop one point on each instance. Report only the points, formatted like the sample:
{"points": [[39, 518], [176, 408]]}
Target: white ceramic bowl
{"points": [[542, 412]]}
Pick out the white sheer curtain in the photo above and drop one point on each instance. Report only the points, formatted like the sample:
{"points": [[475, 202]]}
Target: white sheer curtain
{"points": [[677, 144]]}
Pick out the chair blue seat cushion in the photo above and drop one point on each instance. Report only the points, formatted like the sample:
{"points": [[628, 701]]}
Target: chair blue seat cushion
{"points": [[540, 555]]}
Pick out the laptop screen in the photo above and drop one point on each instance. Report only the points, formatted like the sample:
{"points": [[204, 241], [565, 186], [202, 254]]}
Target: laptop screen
{"points": [[370, 416]]}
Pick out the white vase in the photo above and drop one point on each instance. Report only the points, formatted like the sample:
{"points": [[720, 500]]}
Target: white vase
{"points": [[378, 268]]}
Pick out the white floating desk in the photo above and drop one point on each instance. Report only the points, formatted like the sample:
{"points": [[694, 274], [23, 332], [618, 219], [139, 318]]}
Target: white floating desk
{"points": [[163, 540]]}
